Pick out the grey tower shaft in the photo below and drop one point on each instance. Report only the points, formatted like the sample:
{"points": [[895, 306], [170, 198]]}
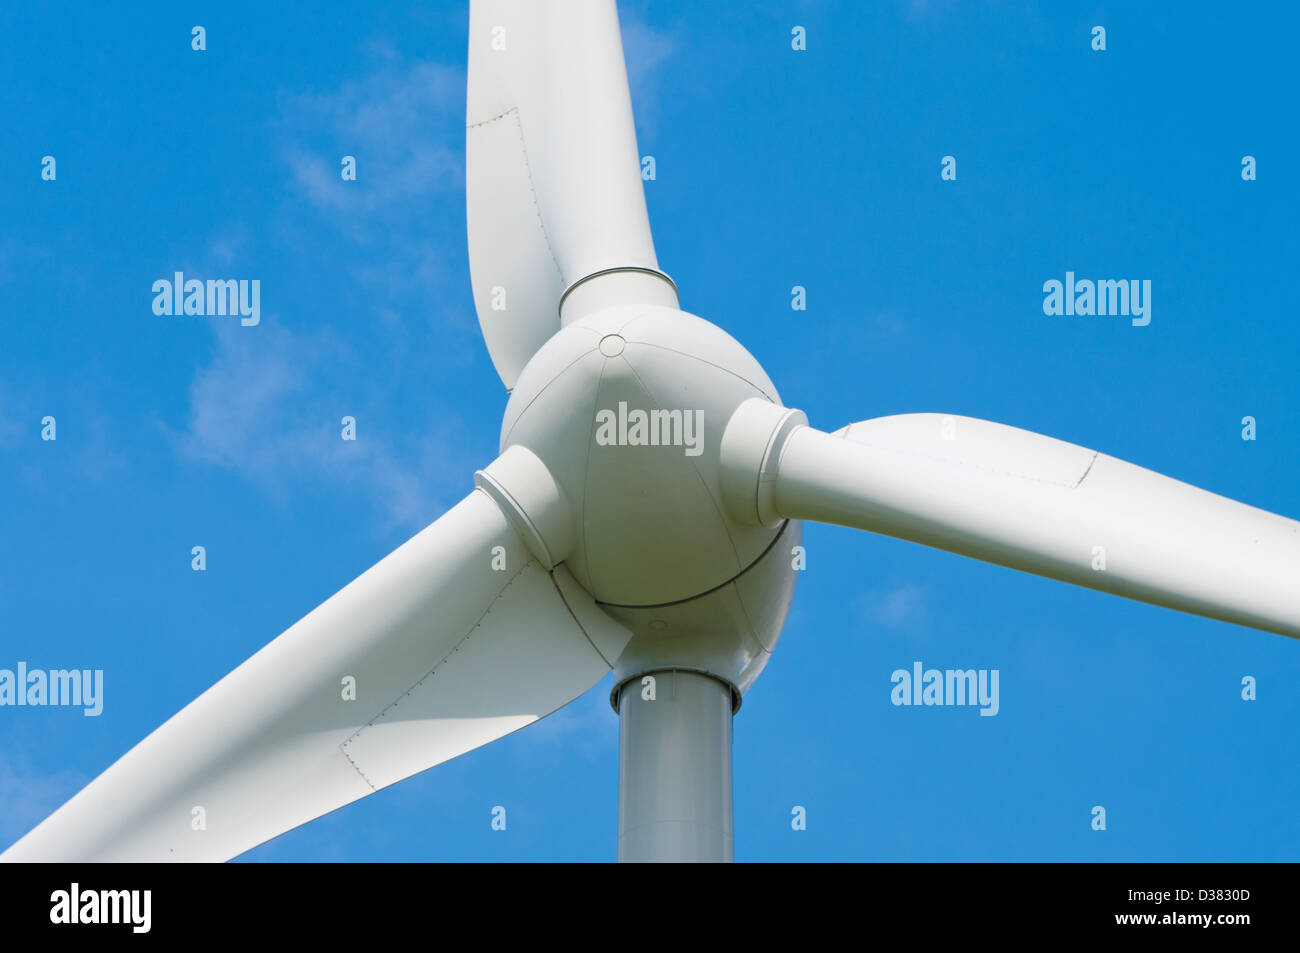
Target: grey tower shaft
{"points": [[674, 778]]}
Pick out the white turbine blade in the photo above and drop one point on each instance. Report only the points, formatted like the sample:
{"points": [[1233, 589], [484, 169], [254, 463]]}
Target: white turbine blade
{"points": [[552, 174], [456, 638], [1030, 502]]}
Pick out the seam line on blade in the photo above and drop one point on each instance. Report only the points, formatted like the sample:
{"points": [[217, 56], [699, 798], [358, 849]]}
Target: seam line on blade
{"points": [[433, 671], [532, 190], [343, 750], [487, 122], [581, 628], [1091, 462]]}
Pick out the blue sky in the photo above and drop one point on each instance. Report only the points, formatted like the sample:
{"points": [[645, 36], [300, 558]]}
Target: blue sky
{"points": [[775, 168]]}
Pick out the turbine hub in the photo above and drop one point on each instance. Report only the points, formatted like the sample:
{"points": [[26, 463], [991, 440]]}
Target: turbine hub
{"points": [[626, 407]]}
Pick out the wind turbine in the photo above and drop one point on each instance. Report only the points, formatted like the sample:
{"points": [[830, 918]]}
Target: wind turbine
{"points": [[641, 517]]}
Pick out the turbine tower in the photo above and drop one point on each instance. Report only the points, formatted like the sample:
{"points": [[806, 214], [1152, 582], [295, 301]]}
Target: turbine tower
{"points": [[641, 517]]}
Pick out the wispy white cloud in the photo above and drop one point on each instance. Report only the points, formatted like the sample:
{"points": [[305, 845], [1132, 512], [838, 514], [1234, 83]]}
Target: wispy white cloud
{"points": [[881, 326], [12, 414], [646, 49], [587, 725], [400, 122], [402, 221], [100, 456], [270, 402], [266, 407], [227, 246], [28, 796], [896, 607], [19, 260], [918, 10], [80, 424]]}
